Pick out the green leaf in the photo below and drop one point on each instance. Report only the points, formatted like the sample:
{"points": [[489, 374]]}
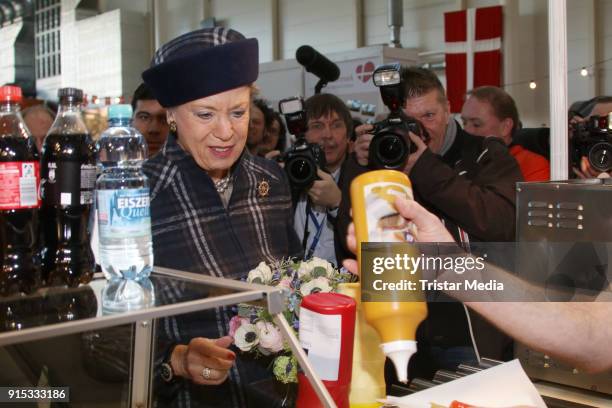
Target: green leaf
{"points": [[285, 369], [245, 310], [265, 315], [318, 272]]}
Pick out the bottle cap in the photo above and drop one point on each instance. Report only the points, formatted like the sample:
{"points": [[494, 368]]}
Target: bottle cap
{"points": [[122, 111], [70, 93], [400, 352], [10, 93]]}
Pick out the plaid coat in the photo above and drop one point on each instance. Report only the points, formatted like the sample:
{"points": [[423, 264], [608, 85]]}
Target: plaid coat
{"points": [[193, 231]]}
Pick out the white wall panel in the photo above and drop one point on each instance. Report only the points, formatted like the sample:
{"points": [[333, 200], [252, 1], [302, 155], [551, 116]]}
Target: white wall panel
{"points": [[178, 17], [526, 58], [327, 26], [253, 18], [330, 26], [580, 48], [135, 55], [99, 54], [604, 45], [140, 6], [8, 37], [424, 24]]}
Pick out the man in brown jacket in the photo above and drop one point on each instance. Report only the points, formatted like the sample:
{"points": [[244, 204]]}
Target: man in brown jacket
{"points": [[467, 181]]}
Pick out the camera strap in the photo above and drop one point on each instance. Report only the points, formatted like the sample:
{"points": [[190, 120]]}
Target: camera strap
{"points": [[319, 229]]}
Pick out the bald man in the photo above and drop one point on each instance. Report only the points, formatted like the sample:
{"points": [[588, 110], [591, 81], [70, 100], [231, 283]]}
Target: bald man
{"points": [[38, 119], [491, 111]]}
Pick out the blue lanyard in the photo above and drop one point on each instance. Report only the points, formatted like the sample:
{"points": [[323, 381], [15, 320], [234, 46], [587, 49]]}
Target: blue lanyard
{"points": [[317, 236]]}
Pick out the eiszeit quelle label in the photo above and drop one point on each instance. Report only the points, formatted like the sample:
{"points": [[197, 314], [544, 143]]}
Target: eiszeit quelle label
{"points": [[124, 213]]}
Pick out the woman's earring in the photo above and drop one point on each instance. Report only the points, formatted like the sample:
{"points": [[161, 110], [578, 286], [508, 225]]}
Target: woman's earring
{"points": [[172, 125]]}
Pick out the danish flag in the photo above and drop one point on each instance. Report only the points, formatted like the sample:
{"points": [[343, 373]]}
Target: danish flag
{"points": [[473, 51]]}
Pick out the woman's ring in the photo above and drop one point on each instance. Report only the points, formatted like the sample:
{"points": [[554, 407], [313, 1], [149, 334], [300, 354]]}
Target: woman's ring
{"points": [[206, 373]]}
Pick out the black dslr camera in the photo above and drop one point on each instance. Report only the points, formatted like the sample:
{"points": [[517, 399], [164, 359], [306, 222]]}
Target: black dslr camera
{"points": [[391, 145], [593, 139], [302, 160]]}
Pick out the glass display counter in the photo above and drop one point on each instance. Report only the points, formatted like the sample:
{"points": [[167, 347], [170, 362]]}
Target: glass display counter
{"points": [[79, 337]]}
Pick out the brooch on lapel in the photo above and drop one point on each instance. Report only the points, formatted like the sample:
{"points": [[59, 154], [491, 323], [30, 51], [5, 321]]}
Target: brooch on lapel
{"points": [[263, 189]]}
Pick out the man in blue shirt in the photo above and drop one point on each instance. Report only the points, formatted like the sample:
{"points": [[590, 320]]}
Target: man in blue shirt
{"points": [[329, 125]]}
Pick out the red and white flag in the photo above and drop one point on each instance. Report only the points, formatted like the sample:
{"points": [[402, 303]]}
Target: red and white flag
{"points": [[473, 51]]}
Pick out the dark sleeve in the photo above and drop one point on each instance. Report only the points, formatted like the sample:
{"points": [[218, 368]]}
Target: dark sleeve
{"points": [[167, 291], [164, 391], [484, 204], [293, 242], [295, 246], [350, 170]]}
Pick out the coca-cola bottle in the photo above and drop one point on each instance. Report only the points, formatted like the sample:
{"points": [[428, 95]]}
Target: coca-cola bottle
{"points": [[19, 200], [68, 176]]}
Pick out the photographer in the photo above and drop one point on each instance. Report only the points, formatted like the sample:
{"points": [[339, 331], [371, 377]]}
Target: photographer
{"points": [[260, 119], [579, 124], [491, 111], [275, 138], [329, 125], [467, 181]]}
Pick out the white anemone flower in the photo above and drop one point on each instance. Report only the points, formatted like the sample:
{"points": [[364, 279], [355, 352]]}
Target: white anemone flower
{"points": [[321, 263], [246, 337], [262, 274], [320, 284]]}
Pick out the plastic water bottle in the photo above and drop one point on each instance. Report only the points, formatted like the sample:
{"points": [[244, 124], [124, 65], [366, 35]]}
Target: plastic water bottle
{"points": [[122, 199]]}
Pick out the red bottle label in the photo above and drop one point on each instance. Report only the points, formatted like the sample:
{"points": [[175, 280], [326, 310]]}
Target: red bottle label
{"points": [[19, 183]]}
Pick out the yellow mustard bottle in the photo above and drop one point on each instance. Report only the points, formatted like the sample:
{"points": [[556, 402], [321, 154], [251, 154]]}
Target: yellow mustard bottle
{"points": [[376, 220], [368, 377]]}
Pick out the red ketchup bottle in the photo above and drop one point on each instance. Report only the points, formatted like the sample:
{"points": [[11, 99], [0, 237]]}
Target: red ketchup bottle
{"points": [[327, 331]]}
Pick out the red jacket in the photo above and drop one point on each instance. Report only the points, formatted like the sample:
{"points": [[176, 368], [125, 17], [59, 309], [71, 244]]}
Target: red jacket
{"points": [[533, 166]]}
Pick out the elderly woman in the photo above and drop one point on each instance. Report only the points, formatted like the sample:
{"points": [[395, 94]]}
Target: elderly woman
{"points": [[216, 210]]}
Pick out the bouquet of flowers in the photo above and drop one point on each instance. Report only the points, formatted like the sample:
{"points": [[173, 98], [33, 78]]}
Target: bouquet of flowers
{"points": [[253, 329]]}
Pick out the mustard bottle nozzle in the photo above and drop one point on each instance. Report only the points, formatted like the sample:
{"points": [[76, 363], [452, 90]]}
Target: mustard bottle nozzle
{"points": [[400, 352]]}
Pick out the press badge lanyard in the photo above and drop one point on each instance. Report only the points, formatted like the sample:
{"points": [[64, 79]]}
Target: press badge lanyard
{"points": [[319, 227]]}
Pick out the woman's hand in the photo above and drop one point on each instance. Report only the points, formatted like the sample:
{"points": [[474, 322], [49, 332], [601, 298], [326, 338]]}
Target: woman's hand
{"points": [[204, 361]]}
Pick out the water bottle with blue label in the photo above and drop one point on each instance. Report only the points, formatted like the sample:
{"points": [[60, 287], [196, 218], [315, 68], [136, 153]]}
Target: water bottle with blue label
{"points": [[122, 199]]}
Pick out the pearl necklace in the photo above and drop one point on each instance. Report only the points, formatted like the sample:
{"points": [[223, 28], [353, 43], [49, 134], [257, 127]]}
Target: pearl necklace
{"points": [[222, 184]]}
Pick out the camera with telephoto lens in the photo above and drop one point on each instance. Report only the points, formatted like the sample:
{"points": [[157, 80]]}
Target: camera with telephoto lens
{"points": [[593, 139], [303, 159], [391, 145]]}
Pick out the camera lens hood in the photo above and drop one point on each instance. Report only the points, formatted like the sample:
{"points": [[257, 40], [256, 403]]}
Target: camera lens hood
{"points": [[389, 149]]}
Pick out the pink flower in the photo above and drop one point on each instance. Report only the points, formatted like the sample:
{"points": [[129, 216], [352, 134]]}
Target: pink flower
{"points": [[235, 323], [284, 283], [270, 337]]}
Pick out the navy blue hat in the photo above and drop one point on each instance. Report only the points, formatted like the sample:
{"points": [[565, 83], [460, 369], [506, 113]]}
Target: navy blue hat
{"points": [[202, 63]]}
